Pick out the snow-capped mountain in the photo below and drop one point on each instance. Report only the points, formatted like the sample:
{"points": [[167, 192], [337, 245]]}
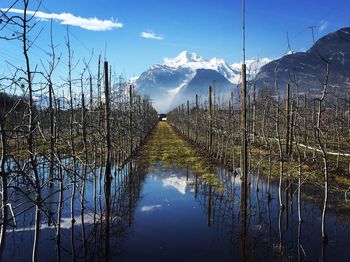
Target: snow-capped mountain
{"points": [[253, 66], [195, 61], [181, 78]]}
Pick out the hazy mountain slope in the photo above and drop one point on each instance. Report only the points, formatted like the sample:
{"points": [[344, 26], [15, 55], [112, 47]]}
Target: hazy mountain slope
{"points": [[199, 84], [308, 69]]}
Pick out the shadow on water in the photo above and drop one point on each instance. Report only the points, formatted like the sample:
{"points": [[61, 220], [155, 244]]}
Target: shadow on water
{"points": [[168, 213]]}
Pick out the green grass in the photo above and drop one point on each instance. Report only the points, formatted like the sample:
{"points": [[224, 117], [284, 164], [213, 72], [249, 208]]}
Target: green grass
{"points": [[165, 146]]}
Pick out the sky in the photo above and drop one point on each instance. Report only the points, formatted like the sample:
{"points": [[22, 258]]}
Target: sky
{"points": [[135, 34]]}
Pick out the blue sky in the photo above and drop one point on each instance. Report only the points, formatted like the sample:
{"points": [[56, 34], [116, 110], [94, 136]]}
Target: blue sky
{"points": [[210, 28]]}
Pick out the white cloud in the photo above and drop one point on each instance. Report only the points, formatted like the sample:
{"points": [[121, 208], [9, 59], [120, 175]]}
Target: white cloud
{"points": [[93, 23], [151, 35], [150, 208], [66, 223], [323, 25]]}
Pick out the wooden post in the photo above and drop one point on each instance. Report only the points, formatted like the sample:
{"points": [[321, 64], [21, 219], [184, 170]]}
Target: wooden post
{"points": [[287, 118], [244, 173], [188, 119], [108, 159], [248, 132], [91, 98], [291, 128], [248, 117], [244, 170], [229, 116], [305, 126], [196, 138], [210, 116], [244, 158], [254, 114], [140, 116], [83, 119], [232, 118], [99, 85], [130, 119], [182, 116], [99, 79]]}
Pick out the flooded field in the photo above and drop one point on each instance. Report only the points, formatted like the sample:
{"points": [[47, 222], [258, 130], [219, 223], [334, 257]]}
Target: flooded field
{"points": [[169, 212], [174, 131]]}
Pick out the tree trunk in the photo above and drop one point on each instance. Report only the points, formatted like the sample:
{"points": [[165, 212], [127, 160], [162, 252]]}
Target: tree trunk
{"points": [[4, 202]]}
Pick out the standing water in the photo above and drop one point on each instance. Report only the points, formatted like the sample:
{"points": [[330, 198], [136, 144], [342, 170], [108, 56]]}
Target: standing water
{"points": [[170, 205]]}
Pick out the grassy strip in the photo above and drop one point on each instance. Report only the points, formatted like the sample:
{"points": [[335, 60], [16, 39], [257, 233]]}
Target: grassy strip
{"points": [[312, 169], [165, 146]]}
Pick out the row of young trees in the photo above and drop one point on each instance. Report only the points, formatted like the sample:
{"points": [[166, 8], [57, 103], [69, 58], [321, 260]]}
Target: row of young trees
{"points": [[306, 136], [75, 127]]}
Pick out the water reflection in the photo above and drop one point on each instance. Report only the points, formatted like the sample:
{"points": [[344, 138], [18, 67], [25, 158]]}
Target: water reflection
{"points": [[173, 181], [76, 234], [150, 208], [170, 214]]}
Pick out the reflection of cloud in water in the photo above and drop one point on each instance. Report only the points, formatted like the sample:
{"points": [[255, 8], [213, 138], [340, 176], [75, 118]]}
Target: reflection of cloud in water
{"points": [[150, 208], [178, 183], [66, 223]]}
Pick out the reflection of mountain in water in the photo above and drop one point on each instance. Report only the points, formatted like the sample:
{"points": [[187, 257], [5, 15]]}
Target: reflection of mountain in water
{"points": [[179, 183], [173, 199]]}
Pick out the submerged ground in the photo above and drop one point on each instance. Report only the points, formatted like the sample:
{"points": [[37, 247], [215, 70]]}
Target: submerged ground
{"points": [[171, 205], [189, 210]]}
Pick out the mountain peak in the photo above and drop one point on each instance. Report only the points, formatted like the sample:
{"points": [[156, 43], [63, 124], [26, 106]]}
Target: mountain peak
{"points": [[186, 75], [183, 58]]}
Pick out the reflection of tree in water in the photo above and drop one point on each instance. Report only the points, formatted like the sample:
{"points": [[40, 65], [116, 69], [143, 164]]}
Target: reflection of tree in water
{"points": [[88, 234], [126, 188], [271, 232]]}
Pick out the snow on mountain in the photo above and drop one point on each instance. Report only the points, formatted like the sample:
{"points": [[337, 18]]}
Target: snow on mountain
{"points": [[165, 82], [253, 66], [231, 72], [183, 59], [194, 61], [133, 79]]}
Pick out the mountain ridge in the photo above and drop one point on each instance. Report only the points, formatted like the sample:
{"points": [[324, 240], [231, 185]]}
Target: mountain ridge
{"points": [[170, 83], [167, 83], [308, 69]]}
